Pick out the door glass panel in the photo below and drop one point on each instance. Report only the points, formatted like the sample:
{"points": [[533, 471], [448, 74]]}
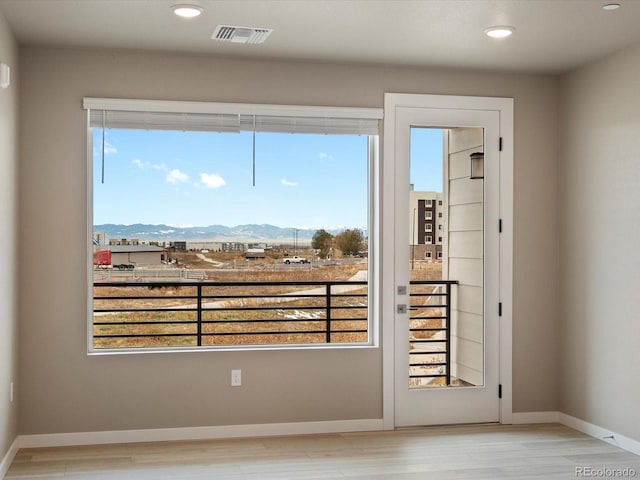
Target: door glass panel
{"points": [[446, 264]]}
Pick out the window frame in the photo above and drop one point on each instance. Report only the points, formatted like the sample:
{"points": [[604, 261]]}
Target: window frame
{"points": [[374, 202]]}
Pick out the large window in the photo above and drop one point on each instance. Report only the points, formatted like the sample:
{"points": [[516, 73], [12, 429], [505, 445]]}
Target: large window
{"points": [[230, 226]]}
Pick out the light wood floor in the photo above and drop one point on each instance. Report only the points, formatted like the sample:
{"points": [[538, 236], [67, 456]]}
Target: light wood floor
{"points": [[441, 453]]}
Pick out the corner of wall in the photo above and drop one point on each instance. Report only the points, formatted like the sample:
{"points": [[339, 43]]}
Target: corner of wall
{"points": [[597, 178], [8, 239]]}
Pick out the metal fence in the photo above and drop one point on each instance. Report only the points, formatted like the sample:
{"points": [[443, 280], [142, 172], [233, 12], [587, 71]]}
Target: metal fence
{"points": [[183, 313], [430, 332], [187, 313]]}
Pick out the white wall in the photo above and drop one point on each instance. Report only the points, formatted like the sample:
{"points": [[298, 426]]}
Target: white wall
{"points": [[66, 391], [599, 230], [8, 248], [465, 252]]}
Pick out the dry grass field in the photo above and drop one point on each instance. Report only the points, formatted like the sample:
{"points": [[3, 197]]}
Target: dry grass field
{"points": [[193, 259], [264, 314], [167, 316], [423, 270]]}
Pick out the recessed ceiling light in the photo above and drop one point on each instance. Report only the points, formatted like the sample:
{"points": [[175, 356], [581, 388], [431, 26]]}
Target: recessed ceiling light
{"points": [[499, 32], [611, 6], [187, 11]]}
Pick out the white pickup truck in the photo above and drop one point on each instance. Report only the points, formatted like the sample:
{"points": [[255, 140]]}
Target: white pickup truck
{"points": [[295, 259]]}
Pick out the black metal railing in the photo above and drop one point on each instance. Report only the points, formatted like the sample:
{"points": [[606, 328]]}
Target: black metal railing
{"points": [[174, 314], [430, 332], [229, 313]]}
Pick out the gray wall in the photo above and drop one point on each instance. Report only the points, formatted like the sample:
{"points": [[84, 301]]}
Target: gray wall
{"points": [[599, 231], [64, 390], [8, 230]]}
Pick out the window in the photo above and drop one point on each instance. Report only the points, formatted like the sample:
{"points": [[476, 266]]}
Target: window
{"points": [[221, 213], [428, 227], [427, 255], [439, 214], [440, 239], [440, 202], [428, 239], [428, 215], [439, 226], [440, 255], [428, 203]]}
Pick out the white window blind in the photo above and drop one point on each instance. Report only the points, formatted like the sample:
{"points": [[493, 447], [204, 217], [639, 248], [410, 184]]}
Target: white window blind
{"points": [[196, 122], [224, 117], [326, 125]]}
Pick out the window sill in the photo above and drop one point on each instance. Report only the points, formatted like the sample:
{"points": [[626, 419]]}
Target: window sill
{"points": [[251, 348]]}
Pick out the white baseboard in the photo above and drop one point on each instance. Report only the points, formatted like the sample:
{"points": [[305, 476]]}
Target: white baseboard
{"points": [[523, 418], [198, 433], [616, 439], [626, 443], [273, 429], [9, 456]]}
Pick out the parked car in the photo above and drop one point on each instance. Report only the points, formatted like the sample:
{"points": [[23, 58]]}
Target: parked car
{"points": [[295, 259]]}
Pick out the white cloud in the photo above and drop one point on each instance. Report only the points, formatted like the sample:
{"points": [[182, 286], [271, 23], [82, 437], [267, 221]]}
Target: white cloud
{"points": [[288, 183], [160, 166], [325, 156], [176, 176], [212, 180], [139, 163], [109, 149]]}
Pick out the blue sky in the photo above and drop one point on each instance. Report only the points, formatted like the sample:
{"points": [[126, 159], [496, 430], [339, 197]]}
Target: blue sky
{"points": [[426, 159], [196, 178]]}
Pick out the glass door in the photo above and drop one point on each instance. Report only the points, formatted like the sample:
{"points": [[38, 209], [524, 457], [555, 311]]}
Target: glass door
{"points": [[446, 260]]}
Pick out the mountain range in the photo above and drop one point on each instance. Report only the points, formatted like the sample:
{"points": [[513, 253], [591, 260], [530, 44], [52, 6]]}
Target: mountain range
{"points": [[211, 233]]}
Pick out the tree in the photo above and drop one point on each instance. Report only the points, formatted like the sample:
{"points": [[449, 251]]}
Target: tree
{"points": [[322, 241], [350, 241]]}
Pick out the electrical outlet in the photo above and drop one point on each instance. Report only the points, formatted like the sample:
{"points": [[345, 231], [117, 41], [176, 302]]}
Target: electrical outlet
{"points": [[11, 392], [236, 378]]}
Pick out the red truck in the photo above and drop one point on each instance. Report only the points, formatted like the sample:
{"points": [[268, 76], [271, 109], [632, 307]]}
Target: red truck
{"points": [[102, 259]]}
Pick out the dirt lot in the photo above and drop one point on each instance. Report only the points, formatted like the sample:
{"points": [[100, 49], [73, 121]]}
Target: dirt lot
{"points": [[196, 259], [139, 316]]}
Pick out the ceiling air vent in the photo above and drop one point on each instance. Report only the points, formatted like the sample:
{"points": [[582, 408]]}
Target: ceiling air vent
{"points": [[227, 33]]}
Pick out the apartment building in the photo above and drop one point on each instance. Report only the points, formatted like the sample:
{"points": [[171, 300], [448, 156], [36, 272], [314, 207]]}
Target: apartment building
{"points": [[124, 241], [427, 220]]}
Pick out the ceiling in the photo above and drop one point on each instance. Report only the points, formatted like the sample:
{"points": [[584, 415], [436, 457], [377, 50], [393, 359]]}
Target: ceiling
{"points": [[552, 36]]}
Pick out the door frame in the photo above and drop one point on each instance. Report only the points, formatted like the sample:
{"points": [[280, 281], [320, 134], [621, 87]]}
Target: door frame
{"points": [[390, 297]]}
